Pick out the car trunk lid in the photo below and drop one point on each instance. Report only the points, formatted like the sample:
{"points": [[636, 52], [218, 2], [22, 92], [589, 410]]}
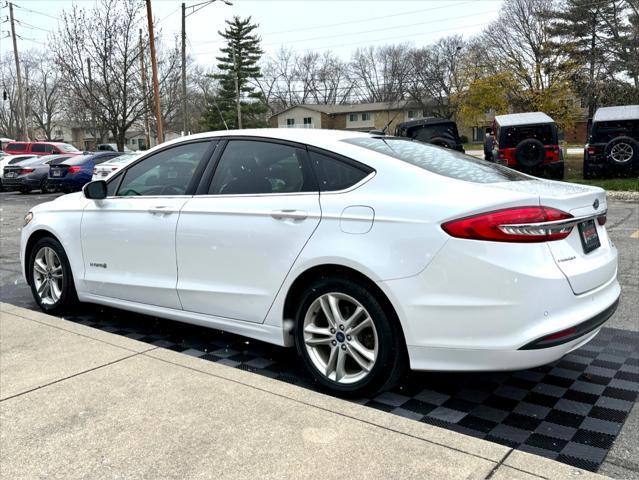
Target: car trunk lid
{"points": [[58, 171], [585, 265]]}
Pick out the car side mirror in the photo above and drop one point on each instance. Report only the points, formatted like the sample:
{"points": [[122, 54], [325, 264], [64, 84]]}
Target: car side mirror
{"points": [[96, 190]]}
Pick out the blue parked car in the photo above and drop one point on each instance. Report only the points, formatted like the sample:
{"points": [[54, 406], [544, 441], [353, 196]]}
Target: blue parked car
{"points": [[72, 174]]}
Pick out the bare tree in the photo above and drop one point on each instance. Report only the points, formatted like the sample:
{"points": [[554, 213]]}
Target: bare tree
{"points": [[381, 73], [105, 37], [9, 112], [439, 75], [45, 95]]}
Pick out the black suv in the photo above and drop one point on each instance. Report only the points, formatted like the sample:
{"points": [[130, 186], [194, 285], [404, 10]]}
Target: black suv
{"points": [[613, 142], [437, 131]]}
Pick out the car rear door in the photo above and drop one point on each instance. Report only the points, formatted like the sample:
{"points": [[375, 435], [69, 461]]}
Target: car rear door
{"points": [[128, 239], [238, 238]]}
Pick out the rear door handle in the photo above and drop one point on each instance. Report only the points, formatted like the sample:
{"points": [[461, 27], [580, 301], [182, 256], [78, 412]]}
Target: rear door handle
{"points": [[292, 214], [161, 210]]}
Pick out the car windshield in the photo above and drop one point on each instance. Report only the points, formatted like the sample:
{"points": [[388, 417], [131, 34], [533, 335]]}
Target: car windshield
{"points": [[65, 147], [605, 131], [510, 137], [441, 161]]}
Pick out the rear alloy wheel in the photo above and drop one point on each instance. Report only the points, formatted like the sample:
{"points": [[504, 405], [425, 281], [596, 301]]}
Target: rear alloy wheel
{"points": [[50, 274], [622, 151], [44, 186], [346, 339]]}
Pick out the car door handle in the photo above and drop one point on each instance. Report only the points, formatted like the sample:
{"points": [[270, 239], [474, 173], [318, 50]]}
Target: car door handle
{"points": [[161, 210], [292, 214]]}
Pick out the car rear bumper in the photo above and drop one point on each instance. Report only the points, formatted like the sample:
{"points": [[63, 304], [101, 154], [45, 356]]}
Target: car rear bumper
{"points": [[479, 306]]}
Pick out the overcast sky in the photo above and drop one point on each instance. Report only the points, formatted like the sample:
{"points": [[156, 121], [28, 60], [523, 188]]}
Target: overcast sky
{"points": [[338, 25]]}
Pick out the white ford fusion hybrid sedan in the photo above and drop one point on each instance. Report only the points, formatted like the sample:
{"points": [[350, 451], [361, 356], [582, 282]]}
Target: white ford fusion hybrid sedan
{"points": [[368, 253]]}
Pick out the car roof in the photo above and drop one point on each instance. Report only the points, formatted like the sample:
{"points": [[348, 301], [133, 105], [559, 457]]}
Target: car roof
{"points": [[622, 112], [527, 118], [424, 121], [309, 136]]}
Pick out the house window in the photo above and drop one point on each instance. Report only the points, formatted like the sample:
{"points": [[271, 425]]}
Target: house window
{"points": [[412, 114], [290, 121], [59, 133], [352, 117], [366, 117], [308, 120]]}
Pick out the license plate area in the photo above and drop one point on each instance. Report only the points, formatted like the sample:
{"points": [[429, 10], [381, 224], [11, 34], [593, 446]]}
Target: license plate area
{"points": [[589, 236], [56, 173], [10, 174]]}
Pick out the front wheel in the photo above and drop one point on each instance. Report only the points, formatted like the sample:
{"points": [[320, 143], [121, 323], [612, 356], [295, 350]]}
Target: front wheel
{"points": [[347, 341], [50, 276]]}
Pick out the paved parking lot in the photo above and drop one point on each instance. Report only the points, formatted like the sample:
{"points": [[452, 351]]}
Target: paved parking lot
{"points": [[581, 410]]}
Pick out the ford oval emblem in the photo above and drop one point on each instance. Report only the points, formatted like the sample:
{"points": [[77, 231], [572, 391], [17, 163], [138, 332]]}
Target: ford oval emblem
{"points": [[595, 204]]}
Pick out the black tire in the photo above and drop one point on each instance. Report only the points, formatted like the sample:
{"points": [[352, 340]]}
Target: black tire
{"points": [[442, 142], [530, 153], [622, 153], [391, 360], [44, 188], [557, 173], [68, 296]]}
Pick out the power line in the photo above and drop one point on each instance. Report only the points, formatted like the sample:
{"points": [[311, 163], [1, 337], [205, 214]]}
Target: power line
{"points": [[36, 12], [365, 19]]}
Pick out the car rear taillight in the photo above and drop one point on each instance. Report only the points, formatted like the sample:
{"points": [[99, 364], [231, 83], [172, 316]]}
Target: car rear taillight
{"points": [[591, 150], [74, 169], [113, 169], [601, 220], [26, 170], [519, 224], [95, 170]]}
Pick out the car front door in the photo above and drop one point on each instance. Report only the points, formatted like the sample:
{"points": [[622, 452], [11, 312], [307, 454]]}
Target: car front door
{"points": [[237, 241], [128, 239]]}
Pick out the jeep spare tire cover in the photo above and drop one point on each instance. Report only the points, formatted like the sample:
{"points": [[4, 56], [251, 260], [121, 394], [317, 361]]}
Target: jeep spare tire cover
{"points": [[442, 142], [622, 150], [530, 152]]}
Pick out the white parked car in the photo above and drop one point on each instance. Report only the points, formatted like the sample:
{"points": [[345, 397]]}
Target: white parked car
{"points": [[105, 169], [368, 253]]}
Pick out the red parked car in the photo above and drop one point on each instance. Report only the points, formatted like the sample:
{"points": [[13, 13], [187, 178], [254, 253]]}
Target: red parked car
{"points": [[40, 148], [528, 142]]}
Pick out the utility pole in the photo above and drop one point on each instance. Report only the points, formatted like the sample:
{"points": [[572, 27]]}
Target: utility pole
{"points": [[185, 123], [194, 9], [23, 117], [147, 131], [154, 71], [237, 91], [93, 127]]}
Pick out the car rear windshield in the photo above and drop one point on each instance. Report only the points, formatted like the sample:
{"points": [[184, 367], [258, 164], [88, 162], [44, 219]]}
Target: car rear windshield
{"points": [[605, 131], [441, 161], [65, 147], [78, 160], [509, 137]]}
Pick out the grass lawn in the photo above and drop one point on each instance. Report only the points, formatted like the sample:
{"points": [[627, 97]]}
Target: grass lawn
{"points": [[574, 173]]}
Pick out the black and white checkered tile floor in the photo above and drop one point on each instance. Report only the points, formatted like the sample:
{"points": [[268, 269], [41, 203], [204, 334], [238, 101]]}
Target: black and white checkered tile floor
{"points": [[570, 411]]}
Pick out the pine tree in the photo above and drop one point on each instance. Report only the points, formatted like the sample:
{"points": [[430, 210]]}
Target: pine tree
{"points": [[238, 66], [576, 29]]}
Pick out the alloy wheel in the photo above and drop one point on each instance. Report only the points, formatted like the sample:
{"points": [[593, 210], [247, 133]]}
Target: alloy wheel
{"points": [[621, 152], [48, 276], [340, 338]]}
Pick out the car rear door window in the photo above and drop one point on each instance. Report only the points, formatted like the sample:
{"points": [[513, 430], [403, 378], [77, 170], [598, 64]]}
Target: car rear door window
{"points": [[258, 167], [166, 173], [333, 174], [38, 148]]}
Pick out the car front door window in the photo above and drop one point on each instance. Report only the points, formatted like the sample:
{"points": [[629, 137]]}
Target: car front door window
{"points": [[168, 172]]}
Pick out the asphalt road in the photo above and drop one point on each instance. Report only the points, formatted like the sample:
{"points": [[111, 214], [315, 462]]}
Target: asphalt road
{"points": [[623, 226]]}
